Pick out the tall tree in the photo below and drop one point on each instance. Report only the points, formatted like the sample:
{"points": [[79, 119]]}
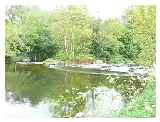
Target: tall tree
{"points": [[71, 27], [141, 22]]}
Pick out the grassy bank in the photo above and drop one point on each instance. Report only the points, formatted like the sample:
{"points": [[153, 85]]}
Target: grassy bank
{"points": [[142, 106]]}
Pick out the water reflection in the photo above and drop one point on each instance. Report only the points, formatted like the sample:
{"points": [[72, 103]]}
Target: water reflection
{"points": [[25, 110], [101, 102], [67, 93]]}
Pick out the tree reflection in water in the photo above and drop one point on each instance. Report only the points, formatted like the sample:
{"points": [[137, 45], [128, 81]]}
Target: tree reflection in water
{"points": [[66, 92]]}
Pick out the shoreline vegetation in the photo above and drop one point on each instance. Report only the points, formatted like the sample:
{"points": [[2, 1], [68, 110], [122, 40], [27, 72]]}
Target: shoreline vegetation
{"points": [[71, 36], [144, 105]]}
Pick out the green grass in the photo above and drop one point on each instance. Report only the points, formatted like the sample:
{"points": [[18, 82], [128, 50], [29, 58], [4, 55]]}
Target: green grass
{"points": [[144, 105]]}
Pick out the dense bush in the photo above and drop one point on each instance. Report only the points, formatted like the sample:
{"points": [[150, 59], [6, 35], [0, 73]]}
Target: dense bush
{"points": [[129, 49], [41, 45]]}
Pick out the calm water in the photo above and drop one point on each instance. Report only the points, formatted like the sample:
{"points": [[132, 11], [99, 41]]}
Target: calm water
{"points": [[35, 90]]}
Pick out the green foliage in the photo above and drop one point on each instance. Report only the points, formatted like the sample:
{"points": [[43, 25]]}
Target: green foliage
{"points": [[83, 59], [71, 29], [143, 105], [129, 49], [13, 41], [119, 59], [141, 21], [61, 56], [41, 45], [33, 38], [105, 43], [67, 33], [130, 42]]}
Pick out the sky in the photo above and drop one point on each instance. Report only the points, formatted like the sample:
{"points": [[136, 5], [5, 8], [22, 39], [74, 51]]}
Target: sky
{"points": [[100, 8]]}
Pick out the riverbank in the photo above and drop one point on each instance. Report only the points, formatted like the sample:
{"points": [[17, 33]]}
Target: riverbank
{"points": [[142, 106]]}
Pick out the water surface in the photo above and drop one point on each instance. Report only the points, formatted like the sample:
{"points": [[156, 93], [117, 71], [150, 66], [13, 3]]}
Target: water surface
{"points": [[58, 93]]}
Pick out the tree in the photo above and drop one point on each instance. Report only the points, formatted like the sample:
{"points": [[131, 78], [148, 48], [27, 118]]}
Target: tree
{"points": [[71, 28], [105, 43], [141, 22], [71, 33], [30, 35], [14, 30]]}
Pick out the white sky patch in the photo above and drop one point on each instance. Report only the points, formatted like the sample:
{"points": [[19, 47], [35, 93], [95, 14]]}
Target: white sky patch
{"points": [[99, 8]]}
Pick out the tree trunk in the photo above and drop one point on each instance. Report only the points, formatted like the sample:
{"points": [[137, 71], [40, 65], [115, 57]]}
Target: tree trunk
{"points": [[35, 58], [65, 45]]}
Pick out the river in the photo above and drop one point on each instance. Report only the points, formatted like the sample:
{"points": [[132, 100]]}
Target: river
{"points": [[37, 91]]}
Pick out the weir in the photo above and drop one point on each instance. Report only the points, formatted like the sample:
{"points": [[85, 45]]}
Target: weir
{"points": [[106, 69]]}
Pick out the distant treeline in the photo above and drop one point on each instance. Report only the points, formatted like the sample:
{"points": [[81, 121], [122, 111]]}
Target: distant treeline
{"points": [[71, 33]]}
